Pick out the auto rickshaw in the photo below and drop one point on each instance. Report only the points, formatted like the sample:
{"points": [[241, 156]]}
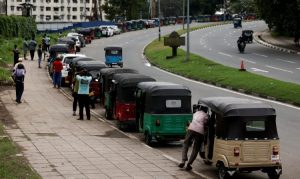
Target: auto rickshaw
{"points": [[113, 56], [69, 42], [237, 22], [140, 24], [247, 36], [120, 105], [163, 110], [93, 68], [241, 135], [128, 25], [106, 75], [134, 25], [54, 51], [73, 66]]}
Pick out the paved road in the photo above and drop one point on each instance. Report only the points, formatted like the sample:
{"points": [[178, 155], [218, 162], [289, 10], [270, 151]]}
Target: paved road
{"points": [[219, 44], [288, 116]]}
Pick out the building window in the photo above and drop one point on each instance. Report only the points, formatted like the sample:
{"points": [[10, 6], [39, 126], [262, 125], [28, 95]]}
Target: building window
{"points": [[19, 0], [55, 9], [34, 1], [74, 1], [69, 16], [48, 1], [62, 17], [74, 17], [55, 1], [34, 8], [42, 1], [74, 9], [48, 18], [48, 8], [41, 17], [87, 9], [81, 1], [69, 9], [42, 8], [19, 8], [87, 1], [56, 18], [81, 9], [12, 8], [62, 8]]}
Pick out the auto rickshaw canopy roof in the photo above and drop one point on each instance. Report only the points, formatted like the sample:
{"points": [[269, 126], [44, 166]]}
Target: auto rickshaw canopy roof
{"points": [[62, 48], [164, 89], [113, 48], [130, 79], [111, 71], [231, 106], [92, 65], [77, 59], [66, 41]]}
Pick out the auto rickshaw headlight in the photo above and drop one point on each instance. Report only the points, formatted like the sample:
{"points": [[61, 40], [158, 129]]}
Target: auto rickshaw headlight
{"points": [[275, 150], [157, 122], [236, 151]]}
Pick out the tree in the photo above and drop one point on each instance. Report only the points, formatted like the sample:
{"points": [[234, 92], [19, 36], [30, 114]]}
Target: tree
{"points": [[242, 6]]}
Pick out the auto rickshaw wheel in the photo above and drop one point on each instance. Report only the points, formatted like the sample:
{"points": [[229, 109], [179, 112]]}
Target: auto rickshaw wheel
{"points": [[148, 138], [273, 175], [222, 172]]}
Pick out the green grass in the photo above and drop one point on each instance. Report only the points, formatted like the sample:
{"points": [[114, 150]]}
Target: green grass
{"points": [[12, 166], [201, 69]]}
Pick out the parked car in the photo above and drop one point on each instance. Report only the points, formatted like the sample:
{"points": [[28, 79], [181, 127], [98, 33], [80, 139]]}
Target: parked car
{"points": [[79, 37], [115, 29], [106, 31], [66, 60]]}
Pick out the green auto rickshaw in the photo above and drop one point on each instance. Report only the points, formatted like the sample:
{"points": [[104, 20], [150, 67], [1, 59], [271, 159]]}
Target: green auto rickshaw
{"points": [[106, 75], [163, 110]]}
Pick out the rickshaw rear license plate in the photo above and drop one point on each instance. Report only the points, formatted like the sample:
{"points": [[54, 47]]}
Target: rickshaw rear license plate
{"points": [[274, 157]]}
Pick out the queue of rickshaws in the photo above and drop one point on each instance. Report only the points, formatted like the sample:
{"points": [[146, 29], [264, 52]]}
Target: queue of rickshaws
{"points": [[241, 136]]}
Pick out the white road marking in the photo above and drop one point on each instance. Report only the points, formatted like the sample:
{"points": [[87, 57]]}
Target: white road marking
{"points": [[298, 68], [259, 70], [225, 54], [279, 69], [148, 64], [285, 60], [260, 55]]}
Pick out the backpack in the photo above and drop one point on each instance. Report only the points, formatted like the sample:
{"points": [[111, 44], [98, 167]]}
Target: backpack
{"points": [[19, 72]]}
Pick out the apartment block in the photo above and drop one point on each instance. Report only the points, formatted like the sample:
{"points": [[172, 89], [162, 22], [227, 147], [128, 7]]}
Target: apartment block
{"points": [[54, 10]]}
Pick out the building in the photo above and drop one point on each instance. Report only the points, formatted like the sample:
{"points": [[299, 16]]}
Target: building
{"points": [[55, 10], [2, 7]]}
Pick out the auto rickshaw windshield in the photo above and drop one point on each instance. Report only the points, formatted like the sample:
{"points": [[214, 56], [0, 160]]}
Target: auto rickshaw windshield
{"points": [[241, 128], [113, 52]]}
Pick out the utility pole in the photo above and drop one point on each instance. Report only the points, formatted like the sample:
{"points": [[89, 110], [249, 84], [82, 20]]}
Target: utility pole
{"points": [[183, 13], [224, 2], [188, 32], [158, 20]]}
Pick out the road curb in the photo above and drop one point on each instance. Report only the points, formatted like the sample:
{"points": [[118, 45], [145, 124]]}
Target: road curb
{"points": [[257, 37]]}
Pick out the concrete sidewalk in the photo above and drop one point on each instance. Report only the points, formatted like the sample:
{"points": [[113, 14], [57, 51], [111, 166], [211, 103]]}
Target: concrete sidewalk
{"points": [[285, 44], [59, 146]]}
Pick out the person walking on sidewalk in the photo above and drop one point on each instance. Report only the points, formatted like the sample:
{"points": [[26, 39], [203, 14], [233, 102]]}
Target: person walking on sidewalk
{"points": [[16, 54], [32, 45], [19, 76], [57, 67], [83, 94], [25, 48], [40, 54], [195, 135]]}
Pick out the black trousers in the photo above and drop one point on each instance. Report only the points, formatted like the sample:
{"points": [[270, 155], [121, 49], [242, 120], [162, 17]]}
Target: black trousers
{"points": [[84, 102], [75, 101], [32, 54], [19, 91]]}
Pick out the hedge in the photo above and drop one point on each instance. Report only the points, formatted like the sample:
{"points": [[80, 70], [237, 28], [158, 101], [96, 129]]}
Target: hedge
{"points": [[17, 26]]}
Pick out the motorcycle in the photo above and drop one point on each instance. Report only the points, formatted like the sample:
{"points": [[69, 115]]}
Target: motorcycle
{"points": [[241, 45]]}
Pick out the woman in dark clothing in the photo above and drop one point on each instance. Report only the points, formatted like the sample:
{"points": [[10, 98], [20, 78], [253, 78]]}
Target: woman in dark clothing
{"points": [[19, 76], [16, 54]]}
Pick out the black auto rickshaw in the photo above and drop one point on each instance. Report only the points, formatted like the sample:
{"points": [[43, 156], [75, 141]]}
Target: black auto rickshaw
{"points": [[73, 66], [241, 136], [98, 32], [237, 22], [54, 52], [247, 36], [163, 110], [120, 104], [106, 75], [69, 42], [93, 68]]}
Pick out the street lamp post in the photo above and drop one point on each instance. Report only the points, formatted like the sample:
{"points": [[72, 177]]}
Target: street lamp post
{"points": [[158, 20], [188, 31], [183, 8]]}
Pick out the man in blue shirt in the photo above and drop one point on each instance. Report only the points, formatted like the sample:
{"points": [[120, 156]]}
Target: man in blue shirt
{"points": [[83, 93]]}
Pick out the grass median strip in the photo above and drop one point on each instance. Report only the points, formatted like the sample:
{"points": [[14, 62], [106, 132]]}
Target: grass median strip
{"points": [[201, 69]]}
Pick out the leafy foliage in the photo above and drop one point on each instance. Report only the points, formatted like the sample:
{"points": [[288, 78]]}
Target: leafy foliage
{"points": [[281, 15], [17, 26], [242, 6]]}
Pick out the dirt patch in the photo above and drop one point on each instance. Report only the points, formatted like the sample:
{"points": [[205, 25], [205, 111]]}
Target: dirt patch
{"points": [[5, 118]]}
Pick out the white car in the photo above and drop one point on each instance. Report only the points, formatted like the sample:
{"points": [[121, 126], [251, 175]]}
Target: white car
{"points": [[106, 31], [66, 60], [115, 29]]}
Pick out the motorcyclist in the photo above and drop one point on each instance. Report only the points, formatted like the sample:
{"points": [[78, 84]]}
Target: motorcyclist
{"points": [[241, 44]]}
